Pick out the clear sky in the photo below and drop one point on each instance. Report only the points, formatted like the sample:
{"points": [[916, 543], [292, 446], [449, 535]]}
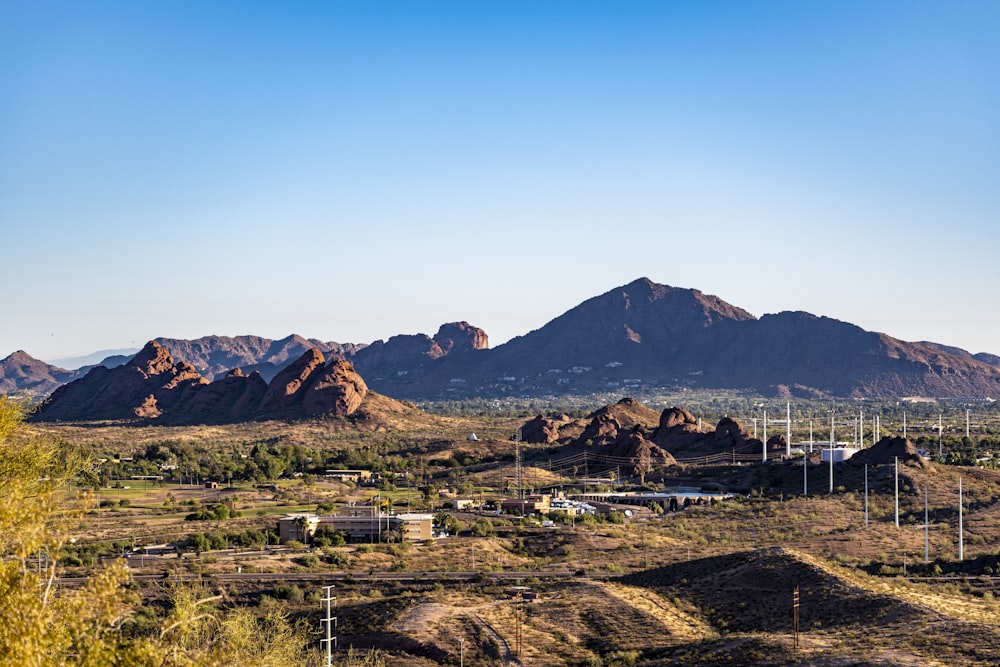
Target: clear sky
{"points": [[354, 170]]}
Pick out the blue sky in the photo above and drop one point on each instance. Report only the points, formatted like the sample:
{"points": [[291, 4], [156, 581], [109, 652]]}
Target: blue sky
{"points": [[353, 170]]}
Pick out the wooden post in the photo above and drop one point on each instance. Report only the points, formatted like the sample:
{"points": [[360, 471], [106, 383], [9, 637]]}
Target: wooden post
{"points": [[795, 616]]}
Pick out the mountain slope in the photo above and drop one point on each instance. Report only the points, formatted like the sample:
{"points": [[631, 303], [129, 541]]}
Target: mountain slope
{"points": [[22, 372], [153, 387]]}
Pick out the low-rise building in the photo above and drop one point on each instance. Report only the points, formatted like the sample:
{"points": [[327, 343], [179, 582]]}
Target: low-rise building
{"points": [[360, 523]]}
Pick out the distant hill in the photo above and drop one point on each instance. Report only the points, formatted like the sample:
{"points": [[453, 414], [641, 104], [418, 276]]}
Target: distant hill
{"points": [[214, 356], [20, 372], [635, 337], [99, 358]]}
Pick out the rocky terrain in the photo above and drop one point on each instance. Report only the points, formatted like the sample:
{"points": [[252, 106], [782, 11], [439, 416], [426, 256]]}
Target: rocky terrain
{"points": [[641, 336], [22, 372], [152, 386]]}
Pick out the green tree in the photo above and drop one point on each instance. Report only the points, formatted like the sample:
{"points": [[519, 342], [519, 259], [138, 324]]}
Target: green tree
{"points": [[45, 625]]}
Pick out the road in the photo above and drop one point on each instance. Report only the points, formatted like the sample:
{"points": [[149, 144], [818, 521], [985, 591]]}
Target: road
{"points": [[351, 577]]}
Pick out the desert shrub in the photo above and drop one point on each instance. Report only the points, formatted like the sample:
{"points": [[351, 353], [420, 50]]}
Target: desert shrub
{"points": [[483, 528]]}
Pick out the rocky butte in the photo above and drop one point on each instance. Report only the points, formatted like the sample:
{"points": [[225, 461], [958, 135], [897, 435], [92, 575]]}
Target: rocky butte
{"points": [[152, 386]]}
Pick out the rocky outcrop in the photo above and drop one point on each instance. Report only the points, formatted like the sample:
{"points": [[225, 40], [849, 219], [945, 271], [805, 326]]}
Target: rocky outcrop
{"points": [[284, 391], [776, 442], [607, 422], [730, 435], [215, 356], [233, 398], [461, 337], [338, 390], [153, 387], [147, 387], [644, 454], [887, 450], [540, 430], [678, 428]]}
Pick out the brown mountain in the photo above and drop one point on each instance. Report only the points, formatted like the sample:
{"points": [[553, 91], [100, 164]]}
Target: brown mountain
{"points": [[215, 356], [20, 372], [645, 336], [152, 386], [635, 338]]}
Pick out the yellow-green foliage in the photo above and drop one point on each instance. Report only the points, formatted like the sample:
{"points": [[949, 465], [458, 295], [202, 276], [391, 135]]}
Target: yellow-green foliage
{"points": [[45, 625]]}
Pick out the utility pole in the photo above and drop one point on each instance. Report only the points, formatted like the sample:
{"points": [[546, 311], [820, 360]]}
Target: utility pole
{"points": [[866, 494], [961, 543], [805, 474], [788, 430], [518, 601], [517, 464], [461, 652], [927, 530], [329, 622], [831, 467], [940, 449], [795, 615], [765, 437], [896, 464]]}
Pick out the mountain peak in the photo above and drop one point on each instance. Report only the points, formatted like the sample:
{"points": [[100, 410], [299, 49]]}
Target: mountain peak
{"points": [[153, 359]]}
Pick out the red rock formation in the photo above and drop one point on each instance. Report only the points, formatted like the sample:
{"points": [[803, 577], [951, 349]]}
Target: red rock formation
{"points": [[148, 386], [645, 455], [609, 421], [151, 386], [887, 450], [540, 430], [461, 336], [234, 397], [284, 390], [337, 391], [729, 434], [678, 428]]}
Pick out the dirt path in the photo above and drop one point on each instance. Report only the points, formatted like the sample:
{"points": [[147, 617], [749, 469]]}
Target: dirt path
{"points": [[506, 655], [424, 618]]}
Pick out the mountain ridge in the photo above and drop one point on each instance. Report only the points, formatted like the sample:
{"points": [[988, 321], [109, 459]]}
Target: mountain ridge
{"points": [[641, 334], [153, 386]]}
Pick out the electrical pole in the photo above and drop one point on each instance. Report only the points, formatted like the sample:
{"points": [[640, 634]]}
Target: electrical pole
{"points": [[866, 494], [961, 544], [765, 437], [805, 474], [329, 622], [927, 530], [795, 615], [788, 430], [896, 464], [940, 449], [831, 467]]}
